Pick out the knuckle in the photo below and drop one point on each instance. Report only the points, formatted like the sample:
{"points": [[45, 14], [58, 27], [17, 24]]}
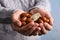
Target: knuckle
{"points": [[50, 28], [46, 32]]}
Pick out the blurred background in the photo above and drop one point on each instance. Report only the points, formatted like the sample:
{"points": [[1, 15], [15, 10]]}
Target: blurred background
{"points": [[54, 34]]}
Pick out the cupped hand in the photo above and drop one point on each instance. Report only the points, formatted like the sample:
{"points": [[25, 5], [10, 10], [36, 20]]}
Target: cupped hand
{"points": [[45, 27], [16, 24], [27, 29]]}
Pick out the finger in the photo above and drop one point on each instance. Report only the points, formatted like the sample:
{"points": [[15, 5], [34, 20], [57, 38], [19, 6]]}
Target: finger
{"points": [[15, 28], [47, 26], [31, 12], [40, 20], [37, 31], [40, 27], [27, 26], [32, 29], [18, 23], [43, 30], [48, 15], [22, 29], [51, 21]]}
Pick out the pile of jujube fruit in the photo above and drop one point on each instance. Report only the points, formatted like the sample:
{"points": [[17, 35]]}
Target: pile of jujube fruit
{"points": [[25, 18]]}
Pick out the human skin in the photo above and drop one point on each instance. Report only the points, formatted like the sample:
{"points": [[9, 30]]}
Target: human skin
{"points": [[16, 23], [45, 27], [32, 28]]}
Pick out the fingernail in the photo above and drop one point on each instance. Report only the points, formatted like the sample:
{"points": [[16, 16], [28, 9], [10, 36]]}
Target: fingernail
{"points": [[45, 23], [40, 24], [19, 23], [37, 24], [32, 23], [38, 28]]}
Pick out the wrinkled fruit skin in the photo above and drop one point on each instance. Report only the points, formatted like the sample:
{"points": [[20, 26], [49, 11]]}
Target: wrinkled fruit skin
{"points": [[25, 18]]}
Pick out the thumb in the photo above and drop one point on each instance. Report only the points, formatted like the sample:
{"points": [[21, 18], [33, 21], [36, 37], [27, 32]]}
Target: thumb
{"points": [[31, 12], [50, 18], [17, 23]]}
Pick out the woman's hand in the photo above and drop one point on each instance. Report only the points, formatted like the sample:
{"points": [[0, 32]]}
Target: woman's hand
{"points": [[45, 27], [16, 24]]}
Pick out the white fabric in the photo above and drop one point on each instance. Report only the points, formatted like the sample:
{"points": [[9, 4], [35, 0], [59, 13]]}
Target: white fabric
{"points": [[6, 9]]}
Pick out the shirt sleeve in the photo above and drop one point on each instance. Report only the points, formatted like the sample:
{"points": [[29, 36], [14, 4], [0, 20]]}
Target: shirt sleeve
{"points": [[42, 4], [5, 12]]}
